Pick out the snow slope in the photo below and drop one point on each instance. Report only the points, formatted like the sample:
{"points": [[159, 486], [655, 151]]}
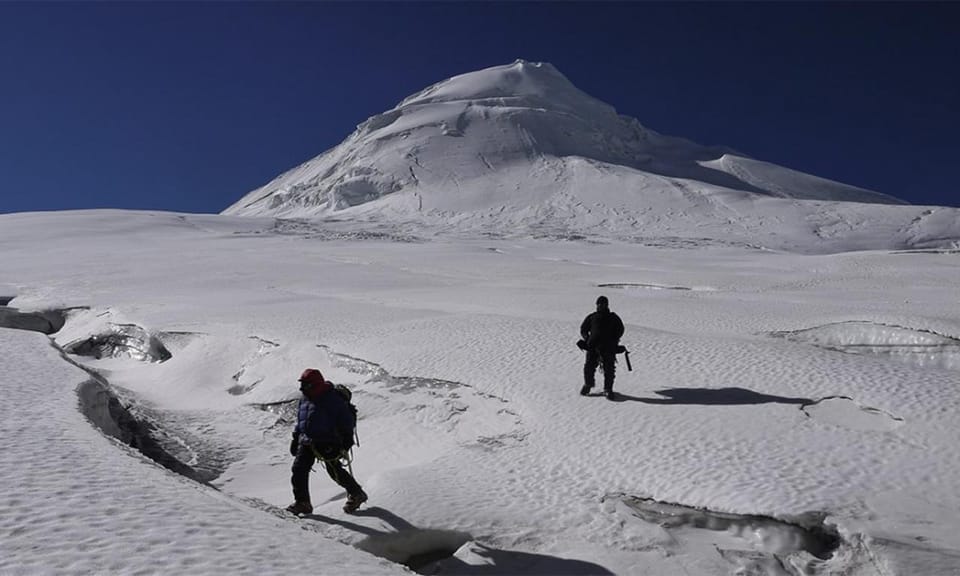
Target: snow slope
{"points": [[520, 147], [77, 502], [786, 413]]}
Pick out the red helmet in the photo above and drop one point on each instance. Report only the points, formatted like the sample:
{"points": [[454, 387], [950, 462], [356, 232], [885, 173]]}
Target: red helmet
{"points": [[312, 380]]}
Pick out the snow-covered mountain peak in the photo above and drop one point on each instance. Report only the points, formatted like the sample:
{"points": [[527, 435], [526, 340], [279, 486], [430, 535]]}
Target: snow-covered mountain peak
{"points": [[522, 84], [518, 149]]}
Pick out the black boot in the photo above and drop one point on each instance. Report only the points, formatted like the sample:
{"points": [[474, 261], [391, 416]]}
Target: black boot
{"points": [[300, 507], [354, 501]]}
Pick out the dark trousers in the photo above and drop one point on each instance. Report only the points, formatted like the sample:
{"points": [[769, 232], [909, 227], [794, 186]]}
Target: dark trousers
{"points": [[304, 461], [594, 359]]}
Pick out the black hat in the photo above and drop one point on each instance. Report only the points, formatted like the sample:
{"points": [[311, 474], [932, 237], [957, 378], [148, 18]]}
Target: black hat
{"points": [[602, 301]]}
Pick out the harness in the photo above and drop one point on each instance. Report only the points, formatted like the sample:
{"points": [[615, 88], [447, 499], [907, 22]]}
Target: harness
{"points": [[344, 457]]}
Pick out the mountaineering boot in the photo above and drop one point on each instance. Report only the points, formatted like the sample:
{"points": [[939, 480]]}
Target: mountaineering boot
{"points": [[354, 501], [610, 394], [585, 391], [300, 507]]}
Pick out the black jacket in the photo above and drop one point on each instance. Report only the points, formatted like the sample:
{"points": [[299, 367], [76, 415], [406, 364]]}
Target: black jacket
{"points": [[602, 331]]}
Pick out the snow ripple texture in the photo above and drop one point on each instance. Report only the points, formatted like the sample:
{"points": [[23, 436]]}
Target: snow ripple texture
{"points": [[75, 502], [717, 414]]}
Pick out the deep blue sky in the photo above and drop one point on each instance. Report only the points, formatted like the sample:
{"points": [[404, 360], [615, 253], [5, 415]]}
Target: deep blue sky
{"points": [[188, 106]]}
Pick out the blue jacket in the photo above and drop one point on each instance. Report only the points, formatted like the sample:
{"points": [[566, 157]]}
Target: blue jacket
{"points": [[325, 419]]}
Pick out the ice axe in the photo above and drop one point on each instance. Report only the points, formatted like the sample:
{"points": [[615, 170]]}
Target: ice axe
{"points": [[626, 355], [582, 344]]}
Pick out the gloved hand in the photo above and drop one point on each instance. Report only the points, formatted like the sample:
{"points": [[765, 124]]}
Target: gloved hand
{"points": [[294, 444], [582, 344]]}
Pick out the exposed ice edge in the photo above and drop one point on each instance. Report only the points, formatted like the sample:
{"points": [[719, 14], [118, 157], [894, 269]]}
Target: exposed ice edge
{"points": [[920, 346], [121, 340], [798, 545], [107, 413], [242, 388], [43, 321], [814, 534], [126, 422]]}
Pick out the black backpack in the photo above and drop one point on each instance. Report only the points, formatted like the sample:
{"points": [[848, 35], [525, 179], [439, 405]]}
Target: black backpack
{"points": [[347, 396]]}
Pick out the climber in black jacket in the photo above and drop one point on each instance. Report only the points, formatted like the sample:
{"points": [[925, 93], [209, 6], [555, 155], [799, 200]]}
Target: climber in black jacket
{"points": [[601, 332]]}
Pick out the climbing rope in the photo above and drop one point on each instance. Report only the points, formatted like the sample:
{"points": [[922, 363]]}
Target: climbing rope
{"points": [[344, 457]]}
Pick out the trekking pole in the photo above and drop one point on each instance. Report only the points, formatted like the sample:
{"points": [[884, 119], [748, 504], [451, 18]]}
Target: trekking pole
{"points": [[626, 355]]}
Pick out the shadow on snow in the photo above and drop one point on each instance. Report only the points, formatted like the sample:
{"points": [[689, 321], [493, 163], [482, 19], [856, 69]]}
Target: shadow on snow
{"points": [[714, 397], [431, 551]]}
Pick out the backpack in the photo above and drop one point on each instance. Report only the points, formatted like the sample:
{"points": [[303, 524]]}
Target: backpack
{"points": [[347, 396]]}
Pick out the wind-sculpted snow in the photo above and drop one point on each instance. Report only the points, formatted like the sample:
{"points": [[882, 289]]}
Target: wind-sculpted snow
{"points": [[843, 411], [446, 411], [477, 451], [786, 183]]}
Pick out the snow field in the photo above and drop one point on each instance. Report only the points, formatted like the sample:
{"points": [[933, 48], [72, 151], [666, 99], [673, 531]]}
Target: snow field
{"points": [[474, 441]]}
